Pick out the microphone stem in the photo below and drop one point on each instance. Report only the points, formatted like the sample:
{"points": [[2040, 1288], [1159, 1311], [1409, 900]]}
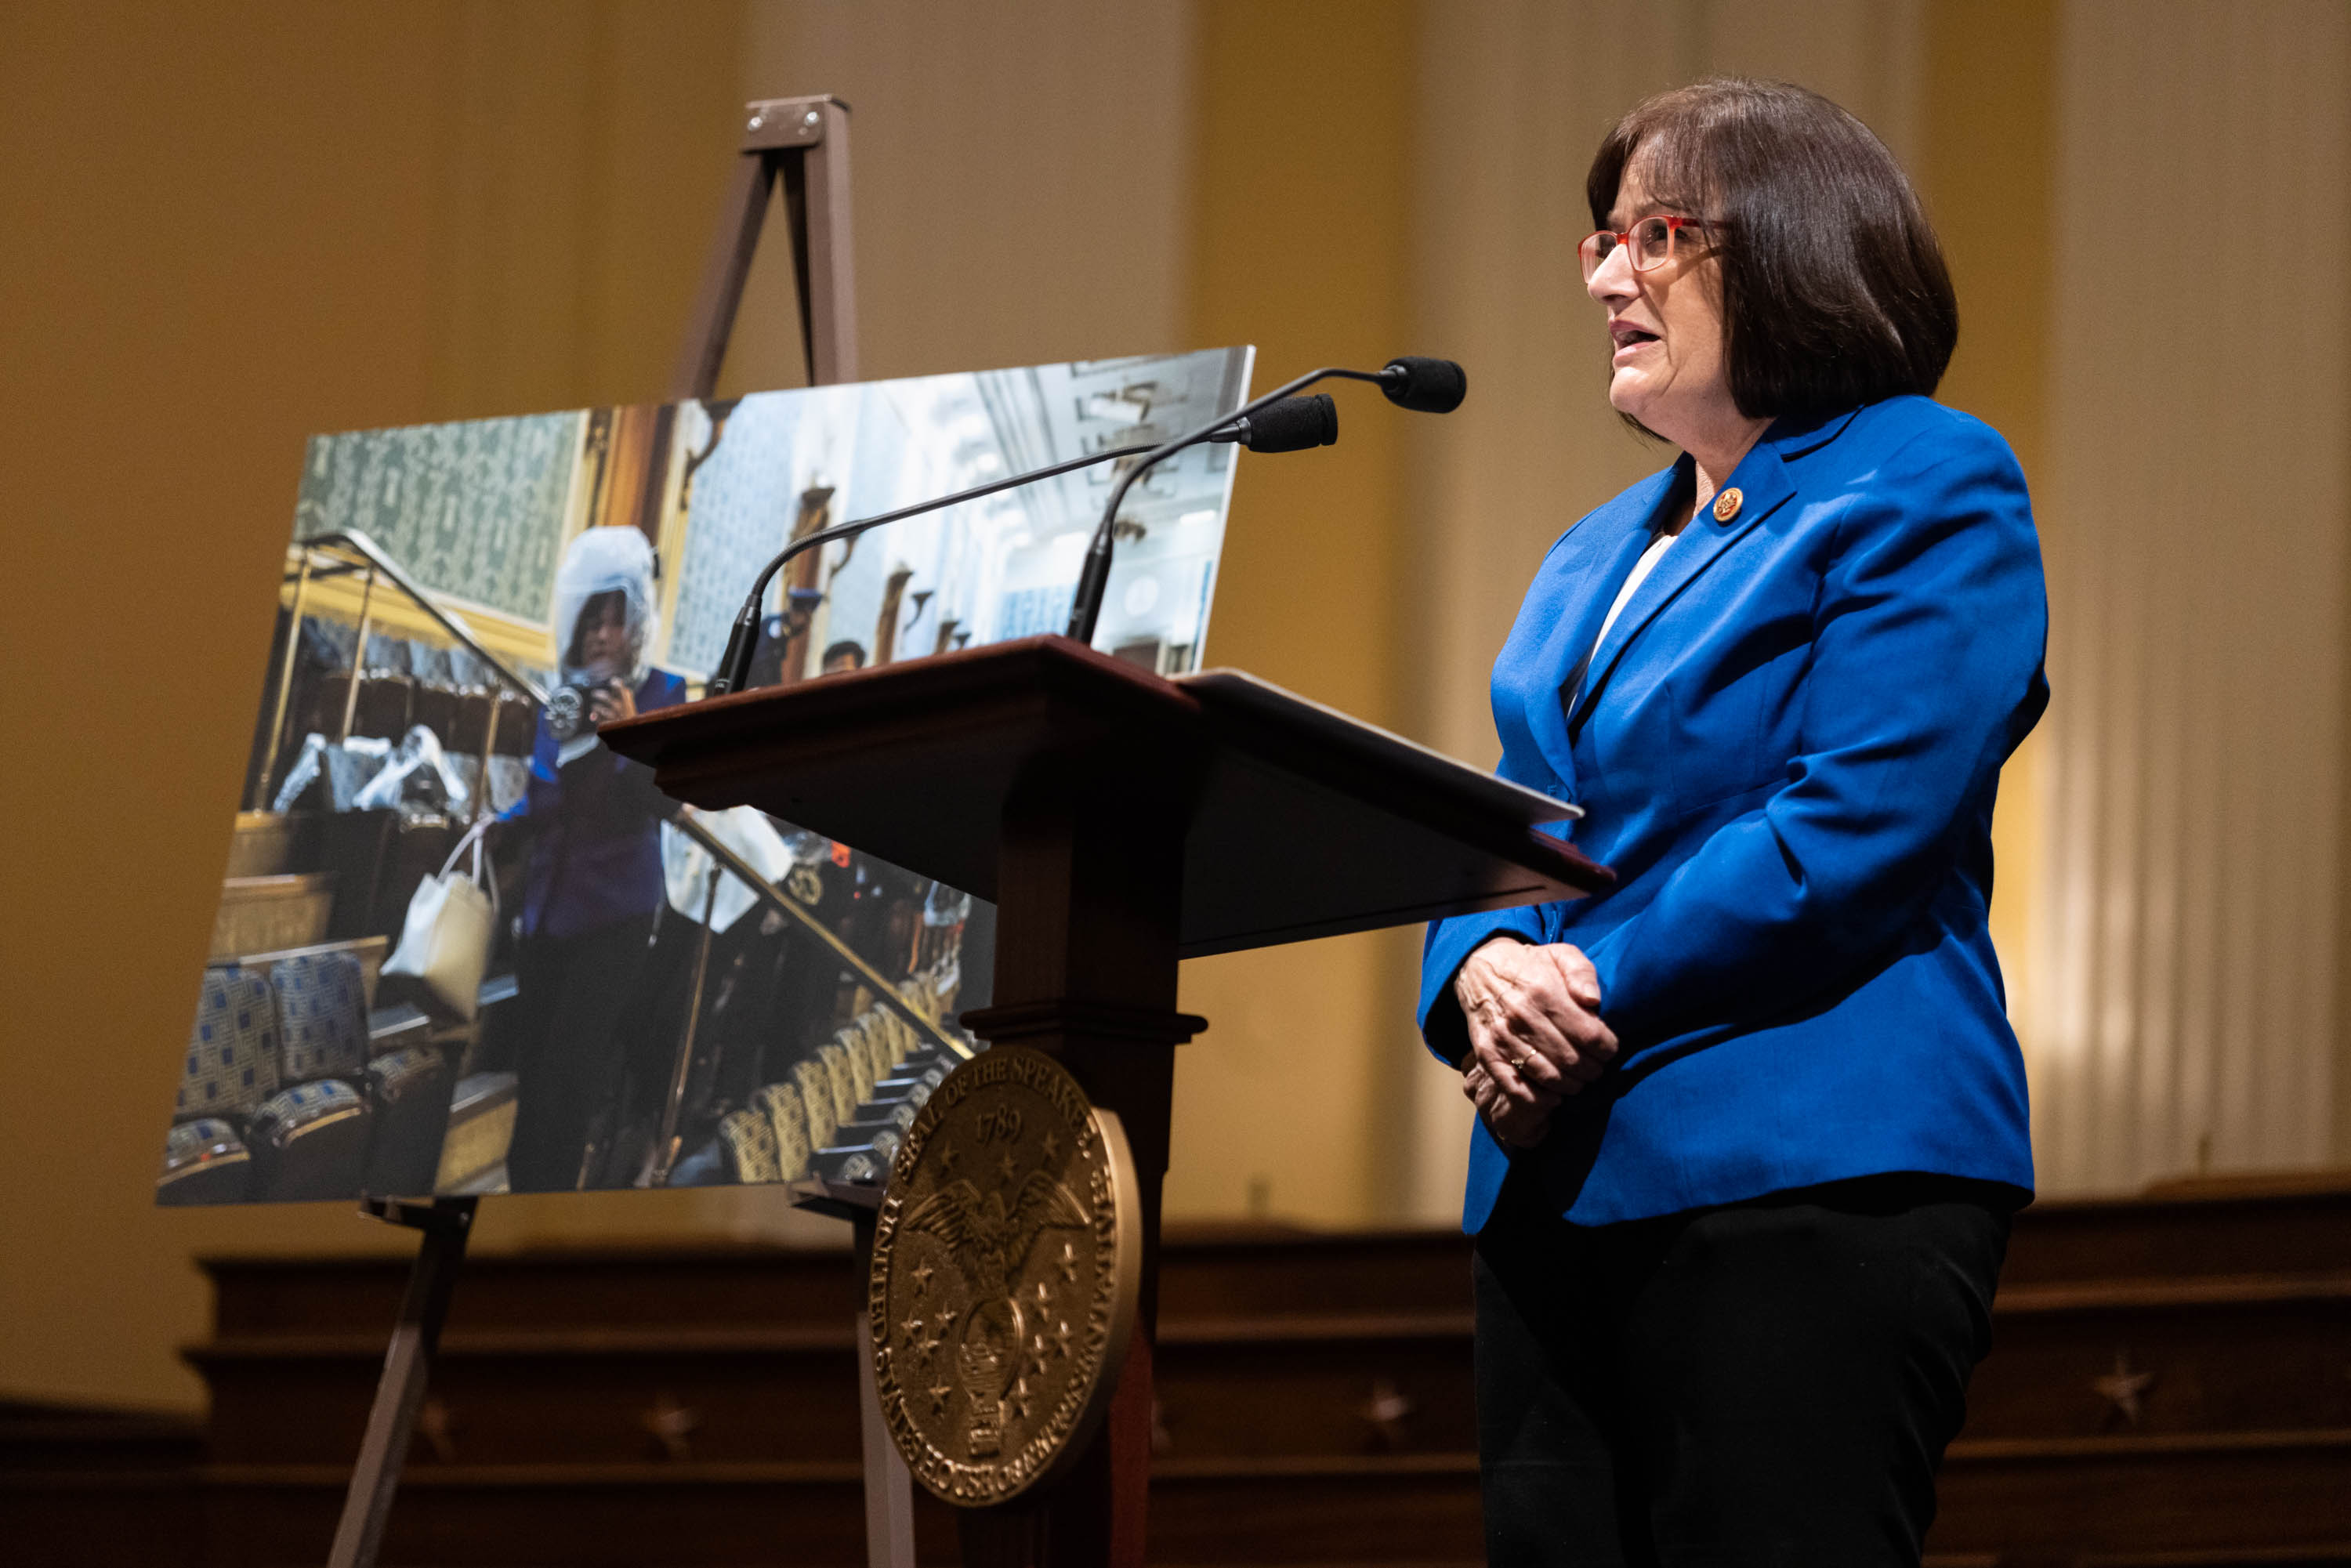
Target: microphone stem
{"points": [[1094, 578]]}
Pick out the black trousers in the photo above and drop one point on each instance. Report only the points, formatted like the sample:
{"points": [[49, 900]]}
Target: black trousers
{"points": [[574, 992], [1773, 1382]]}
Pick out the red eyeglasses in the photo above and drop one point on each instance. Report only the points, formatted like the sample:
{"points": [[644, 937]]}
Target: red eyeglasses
{"points": [[1653, 242]]}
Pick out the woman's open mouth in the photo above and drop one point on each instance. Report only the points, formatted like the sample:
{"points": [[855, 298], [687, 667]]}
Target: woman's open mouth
{"points": [[1628, 337]]}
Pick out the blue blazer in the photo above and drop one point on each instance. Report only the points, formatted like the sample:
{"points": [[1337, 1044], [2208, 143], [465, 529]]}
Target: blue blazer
{"points": [[1787, 748]]}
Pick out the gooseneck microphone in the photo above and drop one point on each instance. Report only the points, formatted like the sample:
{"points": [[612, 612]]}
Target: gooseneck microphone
{"points": [[1426, 386], [1293, 424], [1281, 426]]}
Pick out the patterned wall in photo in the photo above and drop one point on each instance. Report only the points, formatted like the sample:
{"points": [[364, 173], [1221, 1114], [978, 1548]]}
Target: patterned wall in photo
{"points": [[737, 520], [474, 510]]}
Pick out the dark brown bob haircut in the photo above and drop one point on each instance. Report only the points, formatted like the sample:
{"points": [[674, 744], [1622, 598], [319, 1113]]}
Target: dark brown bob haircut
{"points": [[1834, 288]]}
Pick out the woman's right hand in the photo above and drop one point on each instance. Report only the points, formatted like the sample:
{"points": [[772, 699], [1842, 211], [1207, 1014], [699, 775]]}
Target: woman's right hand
{"points": [[1535, 1032]]}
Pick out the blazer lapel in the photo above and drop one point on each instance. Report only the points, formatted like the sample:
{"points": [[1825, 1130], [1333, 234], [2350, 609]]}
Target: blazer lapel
{"points": [[1762, 482], [1591, 564], [1596, 590]]}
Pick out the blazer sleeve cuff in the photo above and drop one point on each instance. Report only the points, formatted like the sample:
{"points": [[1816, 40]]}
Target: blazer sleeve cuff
{"points": [[1450, 941]]}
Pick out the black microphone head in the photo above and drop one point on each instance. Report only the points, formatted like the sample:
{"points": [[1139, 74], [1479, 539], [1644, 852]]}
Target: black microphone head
{"points": [[1425, 386], [1293, 424]]}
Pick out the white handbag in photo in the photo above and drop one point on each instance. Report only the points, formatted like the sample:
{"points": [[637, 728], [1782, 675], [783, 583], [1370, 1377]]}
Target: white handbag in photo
{"points": [[444, 944]]}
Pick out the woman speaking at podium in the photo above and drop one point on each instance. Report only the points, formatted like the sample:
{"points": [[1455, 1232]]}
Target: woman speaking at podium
{"points": [[1750, 1125]]}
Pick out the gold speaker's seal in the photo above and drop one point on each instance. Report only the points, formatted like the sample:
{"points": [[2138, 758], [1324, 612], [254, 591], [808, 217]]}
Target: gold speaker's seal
{"points": [[1006, 1262]]}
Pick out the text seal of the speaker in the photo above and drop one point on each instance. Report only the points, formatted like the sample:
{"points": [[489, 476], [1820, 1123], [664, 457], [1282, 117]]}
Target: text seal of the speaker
{"points": [[1007, 1255]]}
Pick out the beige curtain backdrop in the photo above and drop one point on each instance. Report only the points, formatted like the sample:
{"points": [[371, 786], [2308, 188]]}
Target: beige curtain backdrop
{"points": [[2183, 1010], [379, 215], [1021, 177]]}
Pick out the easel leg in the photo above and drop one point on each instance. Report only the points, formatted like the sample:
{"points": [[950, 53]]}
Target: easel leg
{"points": [[805, 140], [407, 1365]]}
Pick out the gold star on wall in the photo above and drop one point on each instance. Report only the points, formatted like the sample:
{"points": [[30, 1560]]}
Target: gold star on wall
{"points": [[439, 1432], [2121, 1387], [671, 1424]]}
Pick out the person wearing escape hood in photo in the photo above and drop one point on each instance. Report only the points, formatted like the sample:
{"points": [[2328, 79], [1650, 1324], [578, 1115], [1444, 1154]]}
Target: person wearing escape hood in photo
{"points": [[595, 878]]}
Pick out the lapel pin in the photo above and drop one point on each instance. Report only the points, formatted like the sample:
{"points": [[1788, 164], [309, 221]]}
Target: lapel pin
{"points": [[1726, 505]]}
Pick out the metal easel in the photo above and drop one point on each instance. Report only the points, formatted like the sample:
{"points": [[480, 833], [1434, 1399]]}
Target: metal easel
{"points": [[804, 144]]}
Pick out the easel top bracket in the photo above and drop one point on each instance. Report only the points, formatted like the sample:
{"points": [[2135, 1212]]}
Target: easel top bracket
{"points": [[773, 124]]}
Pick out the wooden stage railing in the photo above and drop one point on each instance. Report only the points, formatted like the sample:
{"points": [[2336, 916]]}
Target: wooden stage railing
{"points": [[2171, 1385]]}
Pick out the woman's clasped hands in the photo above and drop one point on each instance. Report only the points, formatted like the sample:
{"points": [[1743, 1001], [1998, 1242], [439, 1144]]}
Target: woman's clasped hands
{"points": [[1535, 1034]]}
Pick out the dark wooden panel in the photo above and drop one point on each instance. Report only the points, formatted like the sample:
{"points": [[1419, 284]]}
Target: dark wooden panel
{"points": [[614, 1516], [598, 1288], [2301, 1229], [104, 1518], [2164, 1356], [1314, 1392], [1333, 1388], [94, 1486], [1261, 1272], [577, 1399], [1221, 1269], [59, 1437], [1410, 1509], [2043, 1503], [2333, 1554]]}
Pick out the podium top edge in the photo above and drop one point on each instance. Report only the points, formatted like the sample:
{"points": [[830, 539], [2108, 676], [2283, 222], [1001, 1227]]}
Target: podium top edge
{"points": [[1254, 693]]}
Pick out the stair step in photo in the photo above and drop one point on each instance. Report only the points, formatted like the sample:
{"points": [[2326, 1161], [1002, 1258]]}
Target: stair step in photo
{"points": [[266, 914]]}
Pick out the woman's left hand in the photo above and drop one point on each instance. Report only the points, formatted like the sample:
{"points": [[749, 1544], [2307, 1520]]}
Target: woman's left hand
{"points": [[1533, 1016]]}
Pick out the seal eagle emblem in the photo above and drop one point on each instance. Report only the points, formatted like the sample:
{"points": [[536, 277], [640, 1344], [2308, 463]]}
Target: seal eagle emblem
{"points": [[1005, 1261]]}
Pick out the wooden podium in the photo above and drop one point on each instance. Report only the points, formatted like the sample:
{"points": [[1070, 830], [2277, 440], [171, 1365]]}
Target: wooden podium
{"points": [[1119, 823]]}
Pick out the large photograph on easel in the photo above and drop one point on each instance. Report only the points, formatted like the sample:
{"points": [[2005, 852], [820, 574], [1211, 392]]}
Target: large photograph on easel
{"points": [[462, 947]]}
